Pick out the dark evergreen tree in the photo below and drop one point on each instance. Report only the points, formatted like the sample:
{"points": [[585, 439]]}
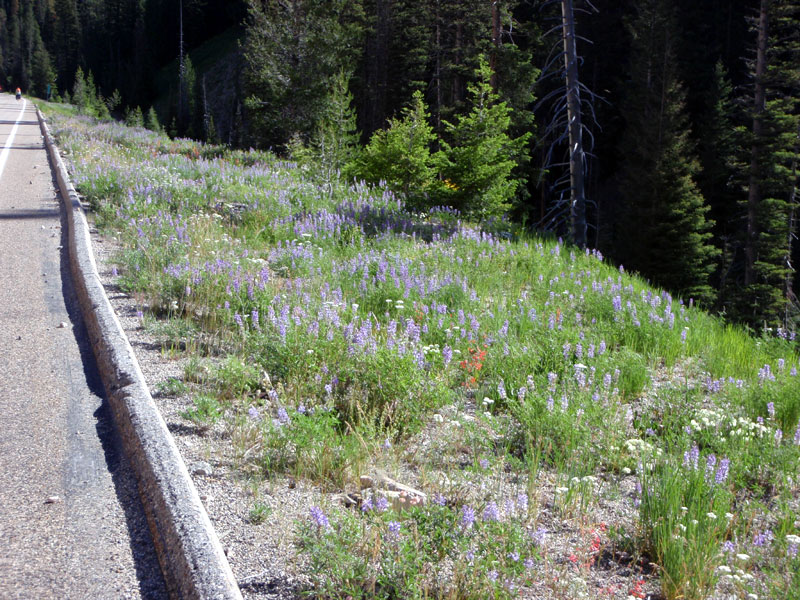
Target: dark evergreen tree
{"points": [[478, 156], [663, 233], [67, 38], [43, 75], [766, 295], [293, 51], [716, 150]]}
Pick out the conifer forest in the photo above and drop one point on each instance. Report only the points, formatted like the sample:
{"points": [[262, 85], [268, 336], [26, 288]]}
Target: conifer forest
{"points": [[663, 133]]}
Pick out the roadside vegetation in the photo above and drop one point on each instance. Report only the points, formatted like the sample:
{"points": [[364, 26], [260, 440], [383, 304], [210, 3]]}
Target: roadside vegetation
{"points": [[527, 388]]}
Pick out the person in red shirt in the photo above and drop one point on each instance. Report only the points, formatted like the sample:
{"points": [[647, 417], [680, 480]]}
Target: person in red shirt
{"points": [[19, 93]]}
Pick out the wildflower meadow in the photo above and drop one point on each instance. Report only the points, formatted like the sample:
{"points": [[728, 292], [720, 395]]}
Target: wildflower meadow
{"points": [[559, 417]]}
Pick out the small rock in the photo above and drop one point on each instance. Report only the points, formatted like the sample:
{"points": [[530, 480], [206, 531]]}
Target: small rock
{"points": [[203, 469], [62, 325], [52, 500]]}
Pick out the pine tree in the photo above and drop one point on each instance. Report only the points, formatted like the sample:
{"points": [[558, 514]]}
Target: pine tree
{"points": [[664, 233], [67, 42], [478, 156], [716, 180], [336, 140], [80, 95], [43, 76], [293, 51], [401, 156], [771, 172]]}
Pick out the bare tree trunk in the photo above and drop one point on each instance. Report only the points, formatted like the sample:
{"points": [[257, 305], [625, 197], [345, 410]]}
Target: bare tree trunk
{"points": [[754, 191], [576, 156]]}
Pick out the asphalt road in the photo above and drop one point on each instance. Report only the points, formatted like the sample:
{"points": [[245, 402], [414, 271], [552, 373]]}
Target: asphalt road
{"points": [[71, 523]]}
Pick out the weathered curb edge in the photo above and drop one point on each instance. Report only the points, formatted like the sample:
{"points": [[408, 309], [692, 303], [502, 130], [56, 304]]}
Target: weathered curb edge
{"points": [[191, 556]]}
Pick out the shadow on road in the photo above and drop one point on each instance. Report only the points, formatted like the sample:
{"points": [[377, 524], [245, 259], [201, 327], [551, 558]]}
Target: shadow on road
{"points": [[148, 570]]}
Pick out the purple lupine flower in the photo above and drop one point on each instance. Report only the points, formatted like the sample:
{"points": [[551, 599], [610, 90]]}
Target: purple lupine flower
{"points": [[529, 563], [771, 409], [550, 403], [513, 556], [394, 529], [467, 517], [791, 551], [522, 502], [551, 379], [483, 463], [447, 355], [319, 518], [778, 437], [439, 500], [763, 538], [722, 471], [501, 390], [491, 513], [607, 380], [797, 435], [283, 416], [711, 461], [492, 575], [728, 546], [367, 505], [238, 319], [691, 457], [381, 504], [254, 319], [252, 412]]}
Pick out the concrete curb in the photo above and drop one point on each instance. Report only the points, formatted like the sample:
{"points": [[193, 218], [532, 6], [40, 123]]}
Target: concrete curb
{"points": [[191, 557]]}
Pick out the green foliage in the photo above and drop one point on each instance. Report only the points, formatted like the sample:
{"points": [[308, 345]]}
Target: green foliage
{"points": [[42, 72], [151, 121], [293, 53], [410, 548], [336, 139], [206, 411], [684, 522], [770, 170], [478, 155], [401, 155], [133, 117]]}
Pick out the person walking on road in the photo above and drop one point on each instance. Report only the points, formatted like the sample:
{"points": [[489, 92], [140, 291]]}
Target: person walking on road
{"points": [[19, 93]]}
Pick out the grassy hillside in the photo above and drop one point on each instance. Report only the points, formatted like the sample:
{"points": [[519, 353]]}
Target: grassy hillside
{"points": [[563, 418]]}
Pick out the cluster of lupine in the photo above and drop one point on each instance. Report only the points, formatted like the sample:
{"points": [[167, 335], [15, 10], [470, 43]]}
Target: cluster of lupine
{"points": [[473, 538], [343, 279]]}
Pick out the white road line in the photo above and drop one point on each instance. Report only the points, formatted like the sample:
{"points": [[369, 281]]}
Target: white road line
{"points": [[10, 140]]}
